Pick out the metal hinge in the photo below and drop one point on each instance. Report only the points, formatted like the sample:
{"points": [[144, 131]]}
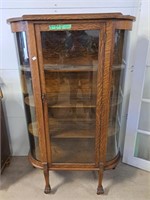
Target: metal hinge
{"points": [[43, 97]]}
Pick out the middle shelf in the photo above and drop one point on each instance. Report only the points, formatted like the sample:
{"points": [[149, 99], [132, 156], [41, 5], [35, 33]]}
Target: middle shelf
{"points": [[63, 128], [71, 128], [53, 101]]}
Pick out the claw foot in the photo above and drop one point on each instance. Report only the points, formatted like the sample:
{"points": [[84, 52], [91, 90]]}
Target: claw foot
{"points": [[47, 189], [100, 190]]}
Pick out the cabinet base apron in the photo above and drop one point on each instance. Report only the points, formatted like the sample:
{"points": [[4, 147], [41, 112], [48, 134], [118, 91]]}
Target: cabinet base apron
{"points": [[46, 168]]}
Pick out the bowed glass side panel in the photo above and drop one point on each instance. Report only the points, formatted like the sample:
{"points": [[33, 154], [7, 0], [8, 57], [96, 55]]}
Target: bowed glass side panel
{"points": [[27, 90], [116, 96]]}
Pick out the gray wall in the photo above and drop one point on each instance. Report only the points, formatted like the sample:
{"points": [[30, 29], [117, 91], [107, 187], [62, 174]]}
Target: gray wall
{"points": [[9, 66]]}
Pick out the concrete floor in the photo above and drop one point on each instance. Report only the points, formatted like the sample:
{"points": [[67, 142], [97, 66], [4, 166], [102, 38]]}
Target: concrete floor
{"points": [[21, 181]]}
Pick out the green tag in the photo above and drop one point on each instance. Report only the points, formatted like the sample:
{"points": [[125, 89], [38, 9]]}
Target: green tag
{"points": [[60, 27]]}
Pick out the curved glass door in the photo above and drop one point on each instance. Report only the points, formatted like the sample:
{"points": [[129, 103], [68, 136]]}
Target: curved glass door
{"points": [[70, 60]]}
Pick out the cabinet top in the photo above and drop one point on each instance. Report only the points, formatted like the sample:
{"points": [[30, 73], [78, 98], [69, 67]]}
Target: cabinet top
{"points": [[47, 17]]}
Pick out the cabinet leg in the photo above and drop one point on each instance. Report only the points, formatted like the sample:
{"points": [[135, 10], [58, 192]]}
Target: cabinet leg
{"points": [[100, 189], [46, 175]]}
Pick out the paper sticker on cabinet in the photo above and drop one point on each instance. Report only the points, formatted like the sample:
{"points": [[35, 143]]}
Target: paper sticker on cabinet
{"points": [[60, 27]]}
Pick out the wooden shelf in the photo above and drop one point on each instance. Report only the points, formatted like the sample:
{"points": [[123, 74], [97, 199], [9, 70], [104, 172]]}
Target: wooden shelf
{"points": [[75, 134], [70, 128], [33, 129], [29, 100], [76, 68], [25, 68], [67, 128], [66, 100], [63, 104], [69, 68]]}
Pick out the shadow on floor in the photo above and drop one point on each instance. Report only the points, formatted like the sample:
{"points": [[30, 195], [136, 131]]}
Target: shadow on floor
{"points": [[121, 174], [20, 167]]}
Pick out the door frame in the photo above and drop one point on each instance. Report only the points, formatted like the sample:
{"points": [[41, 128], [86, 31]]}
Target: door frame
{"points": [[82, 25], [135, 107]]}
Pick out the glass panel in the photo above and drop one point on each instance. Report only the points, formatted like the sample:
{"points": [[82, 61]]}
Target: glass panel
{"points": [[70, 67], [26, 82], [116, 96], [144, 121], [142, 146], [146, 91]]}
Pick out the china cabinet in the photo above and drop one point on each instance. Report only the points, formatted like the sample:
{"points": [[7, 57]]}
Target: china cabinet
{"points": [[72, 74]]}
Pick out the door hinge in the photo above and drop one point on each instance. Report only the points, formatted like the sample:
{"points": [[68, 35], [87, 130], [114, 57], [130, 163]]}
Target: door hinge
{"points": [[43, 97]]}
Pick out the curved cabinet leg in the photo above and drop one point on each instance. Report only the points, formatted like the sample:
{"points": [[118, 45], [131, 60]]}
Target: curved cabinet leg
{"points": [[46, 175], [100, 189]]}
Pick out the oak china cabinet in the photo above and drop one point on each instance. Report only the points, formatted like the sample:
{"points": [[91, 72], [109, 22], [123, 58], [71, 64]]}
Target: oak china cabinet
{"points": [[72, 76]]}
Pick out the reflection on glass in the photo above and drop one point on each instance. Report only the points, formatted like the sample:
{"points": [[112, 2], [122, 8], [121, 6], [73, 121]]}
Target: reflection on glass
{"points": [[116, 96], [70, 48], [70, 66], [142, 147], [144, 121], [146, 90], [27, 90]]}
